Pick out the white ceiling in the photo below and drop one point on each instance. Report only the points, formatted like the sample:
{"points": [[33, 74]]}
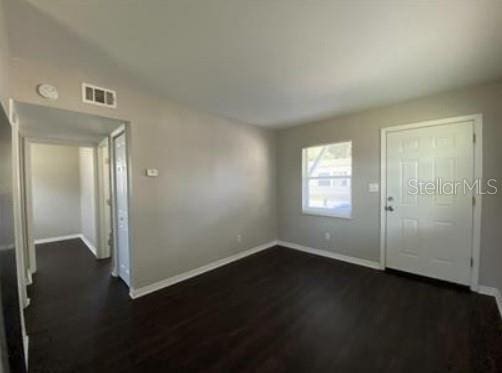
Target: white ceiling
{"points": [[280, 62], [62, 126]]}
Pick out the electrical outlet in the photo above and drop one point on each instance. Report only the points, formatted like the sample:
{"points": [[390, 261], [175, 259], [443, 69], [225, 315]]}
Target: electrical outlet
{"points": [[239, 238], [327, 236], [152, 172]]}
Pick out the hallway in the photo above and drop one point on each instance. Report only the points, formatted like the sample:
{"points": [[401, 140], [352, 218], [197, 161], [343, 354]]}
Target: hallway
{"points": [[74, 303]]}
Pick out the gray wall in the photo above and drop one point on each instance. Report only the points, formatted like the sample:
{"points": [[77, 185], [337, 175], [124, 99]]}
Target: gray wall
{"points": [[55, 190], [4, 74], [87, 194], [359, 237], [217, 176]]}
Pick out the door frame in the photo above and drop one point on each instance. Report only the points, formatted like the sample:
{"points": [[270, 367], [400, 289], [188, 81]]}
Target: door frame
{"points": [[19, 239], [124, 129], [477, 120], [21, 164], [28, 141], [103, 224]]}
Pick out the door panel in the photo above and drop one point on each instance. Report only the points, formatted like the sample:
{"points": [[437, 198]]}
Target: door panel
{"points": [[430, 233], [122, 207]]}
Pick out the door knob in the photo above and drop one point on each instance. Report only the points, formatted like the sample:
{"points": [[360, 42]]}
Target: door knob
{"points": [[389, 208]]}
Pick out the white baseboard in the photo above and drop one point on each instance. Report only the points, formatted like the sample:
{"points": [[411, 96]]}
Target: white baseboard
{"points": [[58, 238], [332, 255], [89, 245], [136, 293], [29, 277], [7, 247], [26, 345], [494, 292]]}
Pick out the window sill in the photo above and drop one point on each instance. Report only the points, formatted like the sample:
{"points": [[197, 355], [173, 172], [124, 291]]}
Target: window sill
{"points": [[326, 214]]}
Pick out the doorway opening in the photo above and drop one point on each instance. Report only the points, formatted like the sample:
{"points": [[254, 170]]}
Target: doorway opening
{"points": [[62, 192], [68, 185]]}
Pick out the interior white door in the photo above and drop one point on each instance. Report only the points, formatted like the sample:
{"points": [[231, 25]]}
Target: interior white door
{"points": [[430, 232], [120, 153]]}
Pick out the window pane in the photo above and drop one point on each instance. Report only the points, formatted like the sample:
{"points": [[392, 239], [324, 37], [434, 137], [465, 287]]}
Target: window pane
{"points": [[327, 186], [336, 196], [330, 160], [324, 182]]}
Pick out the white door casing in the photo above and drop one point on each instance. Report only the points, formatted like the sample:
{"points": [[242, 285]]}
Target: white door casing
{"points": [[121, 203], [104, 195], [431, 233]]}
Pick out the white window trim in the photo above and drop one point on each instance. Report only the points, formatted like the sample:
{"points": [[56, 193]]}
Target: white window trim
{"points": [[330, 213]]}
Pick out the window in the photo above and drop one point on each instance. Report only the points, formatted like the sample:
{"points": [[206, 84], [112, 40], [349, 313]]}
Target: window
{"points": [[327, 180]]}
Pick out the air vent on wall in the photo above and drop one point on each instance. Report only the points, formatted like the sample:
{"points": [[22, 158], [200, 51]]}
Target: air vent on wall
{"points": [[92, 94]]}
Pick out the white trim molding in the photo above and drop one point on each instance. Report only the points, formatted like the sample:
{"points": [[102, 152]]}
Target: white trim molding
{"points": [[332, 255], [494, 292], [126, 130], [136, 293], [89, 245], [26, 346], [477, 121], [29, 277], [19, 238], [58, 238]]}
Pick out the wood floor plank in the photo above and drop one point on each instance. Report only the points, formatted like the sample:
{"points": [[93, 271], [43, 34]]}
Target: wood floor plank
{"points": [[276, 311]]}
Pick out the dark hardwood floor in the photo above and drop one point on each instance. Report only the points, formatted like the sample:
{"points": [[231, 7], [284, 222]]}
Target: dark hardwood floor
{"points": [[276, 311]]}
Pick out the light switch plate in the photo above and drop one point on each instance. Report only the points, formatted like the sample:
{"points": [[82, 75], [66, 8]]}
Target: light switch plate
{"points": [[373, 187], [152, 172]]}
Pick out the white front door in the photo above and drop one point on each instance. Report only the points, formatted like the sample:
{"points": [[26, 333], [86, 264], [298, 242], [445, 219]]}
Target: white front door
{"points": [[122, 207], [429, 230]]}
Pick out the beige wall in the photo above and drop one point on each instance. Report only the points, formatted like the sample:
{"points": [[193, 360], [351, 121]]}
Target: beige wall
{"points": [[55, 180], [359, 237], [88, 194]]}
